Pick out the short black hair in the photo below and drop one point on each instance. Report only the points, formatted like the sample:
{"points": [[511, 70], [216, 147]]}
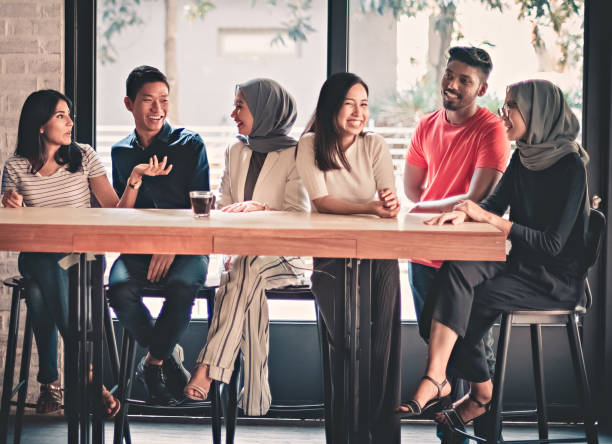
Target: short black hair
{"points": [[141, 75], [473, 56]]}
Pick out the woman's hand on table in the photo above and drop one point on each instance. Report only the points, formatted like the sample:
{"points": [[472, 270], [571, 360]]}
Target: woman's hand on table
{"points": [[388, 197], [159, 266], [12, 199], [378, 208], [245, 207], [473, 211], [453, 217]]}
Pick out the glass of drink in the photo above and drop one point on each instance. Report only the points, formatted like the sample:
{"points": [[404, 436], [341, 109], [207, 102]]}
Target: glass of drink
{"points": [[202, 202]]}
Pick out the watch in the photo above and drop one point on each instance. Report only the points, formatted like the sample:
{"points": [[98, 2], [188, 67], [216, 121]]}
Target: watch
{"points": [[135, 185]]}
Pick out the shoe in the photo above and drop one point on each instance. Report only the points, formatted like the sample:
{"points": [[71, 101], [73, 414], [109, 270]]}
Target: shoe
{"points": [[177, 374], [415, 409], [50, 399], [199, 389], [454, 419], [107, 398], [155, 380]]}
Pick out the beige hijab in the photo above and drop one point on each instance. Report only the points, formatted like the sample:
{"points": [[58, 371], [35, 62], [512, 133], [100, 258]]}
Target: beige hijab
{"points": [[552, 127]]}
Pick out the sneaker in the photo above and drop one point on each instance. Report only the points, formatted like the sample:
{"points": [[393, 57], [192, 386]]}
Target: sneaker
{"points": [[155, 380], [177, 374], [50, 399]]}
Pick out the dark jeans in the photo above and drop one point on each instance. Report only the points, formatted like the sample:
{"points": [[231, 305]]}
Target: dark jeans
{"points": [[328, 285], [47, 302], [127, 278]]}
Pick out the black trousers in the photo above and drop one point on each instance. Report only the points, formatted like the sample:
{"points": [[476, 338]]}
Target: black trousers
{"points": [[328, 285], [469, 296]]}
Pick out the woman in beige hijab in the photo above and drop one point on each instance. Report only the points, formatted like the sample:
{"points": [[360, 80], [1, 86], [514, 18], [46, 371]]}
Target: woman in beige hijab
{"points": [[545, 189]]}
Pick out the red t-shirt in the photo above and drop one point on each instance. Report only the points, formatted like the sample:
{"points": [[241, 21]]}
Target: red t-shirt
{"points": [[451, 153]]}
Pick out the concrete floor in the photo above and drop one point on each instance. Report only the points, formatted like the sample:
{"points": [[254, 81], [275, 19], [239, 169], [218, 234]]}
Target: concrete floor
{"points": [[52, 430]]}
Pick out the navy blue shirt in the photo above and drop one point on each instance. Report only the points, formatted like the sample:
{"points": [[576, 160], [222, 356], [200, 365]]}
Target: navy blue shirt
{"points": [[187, 154]]}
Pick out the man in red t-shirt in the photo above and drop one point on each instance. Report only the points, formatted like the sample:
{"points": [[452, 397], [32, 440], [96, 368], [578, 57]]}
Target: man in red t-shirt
{"points": [[458, 152]]}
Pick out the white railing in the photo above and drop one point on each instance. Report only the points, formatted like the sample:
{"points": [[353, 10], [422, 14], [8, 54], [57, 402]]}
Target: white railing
{"points": [[217, 138]]}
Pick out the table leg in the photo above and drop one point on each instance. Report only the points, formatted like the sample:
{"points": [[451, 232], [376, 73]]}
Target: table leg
{"points": [[71, 401], [83, 356], [363, 346], [339, 357], [97, 319], [358, 333], [352, 371]]}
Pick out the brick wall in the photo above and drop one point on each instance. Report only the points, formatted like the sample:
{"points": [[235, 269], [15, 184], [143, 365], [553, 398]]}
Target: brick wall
{"points": [[31, 58]]}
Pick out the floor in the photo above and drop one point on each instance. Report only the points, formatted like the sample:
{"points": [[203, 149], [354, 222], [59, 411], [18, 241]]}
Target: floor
{"points": [[52, 430]]}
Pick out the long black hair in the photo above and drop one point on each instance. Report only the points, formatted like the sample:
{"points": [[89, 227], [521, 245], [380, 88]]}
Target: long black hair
{"points": [[37, 110], [328, 147]]}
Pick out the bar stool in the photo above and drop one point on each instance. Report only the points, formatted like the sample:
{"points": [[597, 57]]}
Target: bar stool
{"points": [[18, 284], [535, 319], [125, 380], [229, 402]]}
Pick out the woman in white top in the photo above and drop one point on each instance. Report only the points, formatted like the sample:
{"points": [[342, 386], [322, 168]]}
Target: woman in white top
{"points": [[48, 169], [260, 174], [343, 170]]}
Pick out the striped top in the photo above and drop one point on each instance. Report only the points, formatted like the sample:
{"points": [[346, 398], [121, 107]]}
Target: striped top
{"points": [[61, 189]]}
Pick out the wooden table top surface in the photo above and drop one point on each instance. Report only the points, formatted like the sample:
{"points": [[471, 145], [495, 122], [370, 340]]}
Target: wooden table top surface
{"points": [[256, 233]]}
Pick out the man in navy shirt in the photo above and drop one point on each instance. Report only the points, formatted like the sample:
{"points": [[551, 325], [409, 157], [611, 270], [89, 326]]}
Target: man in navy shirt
{"points": [[180, 275]]}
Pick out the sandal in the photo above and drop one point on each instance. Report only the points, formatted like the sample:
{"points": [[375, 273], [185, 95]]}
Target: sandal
{"points": [[198, 389], [50, 399], [415, 409], [107, 398], [454, 419]]}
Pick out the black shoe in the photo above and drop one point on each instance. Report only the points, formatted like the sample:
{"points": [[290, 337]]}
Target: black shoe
{"points": [[156, 382], [177, 374]]}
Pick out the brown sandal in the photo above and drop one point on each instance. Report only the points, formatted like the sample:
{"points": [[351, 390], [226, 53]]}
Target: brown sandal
{"points": [[50, 399], [107, 399], [198, 389]]}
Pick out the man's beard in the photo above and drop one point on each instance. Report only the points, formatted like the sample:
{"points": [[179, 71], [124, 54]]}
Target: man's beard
{"points": [[450, 106], [447, 104]]}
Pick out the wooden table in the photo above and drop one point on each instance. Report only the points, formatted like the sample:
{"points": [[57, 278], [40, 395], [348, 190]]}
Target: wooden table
{"points": [[357, 238]]}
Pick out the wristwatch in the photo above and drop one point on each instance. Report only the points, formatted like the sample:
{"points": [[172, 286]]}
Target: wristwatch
{"points": [[135, 185]]}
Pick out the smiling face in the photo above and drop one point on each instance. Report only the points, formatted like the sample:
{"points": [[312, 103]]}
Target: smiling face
{"points": [[242, 115], [513, 120], [57, 131], [353, 113], [149, 107], [461, 85]]}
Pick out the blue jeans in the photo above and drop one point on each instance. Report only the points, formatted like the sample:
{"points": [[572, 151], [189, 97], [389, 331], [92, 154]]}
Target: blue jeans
{"points": [[422, 278], [127, 278], [47, 302]]}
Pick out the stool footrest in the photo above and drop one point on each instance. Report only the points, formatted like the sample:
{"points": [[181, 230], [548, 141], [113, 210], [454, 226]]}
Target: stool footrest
{"points": [[519, 413]]}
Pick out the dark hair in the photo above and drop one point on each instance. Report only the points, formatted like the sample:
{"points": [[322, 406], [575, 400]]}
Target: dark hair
{"points": [[37, 110], [328, 149], [470, 55], [141, 75]]}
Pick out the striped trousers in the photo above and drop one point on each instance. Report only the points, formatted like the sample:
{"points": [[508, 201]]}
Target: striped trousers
{"points": [[240, 322]]}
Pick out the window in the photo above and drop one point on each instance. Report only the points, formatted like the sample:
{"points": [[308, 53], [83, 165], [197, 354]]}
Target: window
{"points": [[400, 51], [214, 49]]}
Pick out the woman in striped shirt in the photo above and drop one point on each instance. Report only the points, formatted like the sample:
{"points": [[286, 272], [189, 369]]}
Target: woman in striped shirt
{"points": [[48, 169]]}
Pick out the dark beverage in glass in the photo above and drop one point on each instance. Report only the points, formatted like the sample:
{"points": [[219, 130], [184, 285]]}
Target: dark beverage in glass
{"points": [[202, 202]]}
